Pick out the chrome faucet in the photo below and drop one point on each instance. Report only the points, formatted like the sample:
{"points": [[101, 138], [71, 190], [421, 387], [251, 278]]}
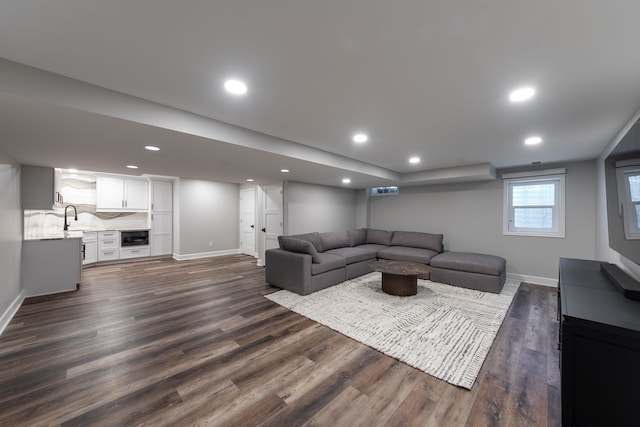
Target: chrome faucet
{"points": [[66, 226]]}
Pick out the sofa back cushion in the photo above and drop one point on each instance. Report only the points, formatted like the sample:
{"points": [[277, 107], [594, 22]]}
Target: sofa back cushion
{"points": [[379, 237], [414, 239], [357, 237], [293, 244], [334, 240], [313, 238]]}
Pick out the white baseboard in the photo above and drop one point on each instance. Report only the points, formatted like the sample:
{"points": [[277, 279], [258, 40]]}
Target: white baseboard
{"points": [[179, 257], [11, 311], [260, 263], [544, 281]]}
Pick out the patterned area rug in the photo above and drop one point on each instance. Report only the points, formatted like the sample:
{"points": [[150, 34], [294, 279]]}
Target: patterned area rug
{"points": [[444, 330]]}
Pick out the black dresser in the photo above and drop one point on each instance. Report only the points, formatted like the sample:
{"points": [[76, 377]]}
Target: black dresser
{"points": [[600, 348]]}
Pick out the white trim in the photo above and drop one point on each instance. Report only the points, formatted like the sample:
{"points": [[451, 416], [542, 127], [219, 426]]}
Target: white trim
{"points": [[544, 281], [628, 162], [260, 263], [11, 311], [186, 257], [558, 171], [559, 222]]}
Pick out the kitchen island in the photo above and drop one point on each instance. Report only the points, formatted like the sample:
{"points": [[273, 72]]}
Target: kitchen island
{"points": [[51, 263]]}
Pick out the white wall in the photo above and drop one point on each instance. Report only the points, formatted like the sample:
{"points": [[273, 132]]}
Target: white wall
{"points": [[310, 207], [208, 217], [470, 217], [10, 238]]}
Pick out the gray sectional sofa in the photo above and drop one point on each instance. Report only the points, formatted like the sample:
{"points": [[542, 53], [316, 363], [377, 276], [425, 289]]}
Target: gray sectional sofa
{"points": [[306, 263]]}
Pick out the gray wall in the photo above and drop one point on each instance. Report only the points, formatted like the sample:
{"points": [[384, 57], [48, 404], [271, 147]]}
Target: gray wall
{"points": [[10, 232], [470, 217], [319, 208], [208, 212]]}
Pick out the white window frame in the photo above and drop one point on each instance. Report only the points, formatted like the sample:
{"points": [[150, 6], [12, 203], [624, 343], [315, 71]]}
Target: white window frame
{"points": [[627, 207], [558, 220]]}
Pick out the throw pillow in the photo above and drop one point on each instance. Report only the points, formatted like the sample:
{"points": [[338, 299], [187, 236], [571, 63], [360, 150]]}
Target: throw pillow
{"points": [[300, 246]]}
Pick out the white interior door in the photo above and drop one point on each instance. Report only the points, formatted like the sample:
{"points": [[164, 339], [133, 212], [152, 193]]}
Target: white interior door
{"points": [[272, 210], [248, 221]]}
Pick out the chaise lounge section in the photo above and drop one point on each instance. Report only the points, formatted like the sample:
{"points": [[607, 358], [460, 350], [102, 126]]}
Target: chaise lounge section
{"points": [[306, 263]]}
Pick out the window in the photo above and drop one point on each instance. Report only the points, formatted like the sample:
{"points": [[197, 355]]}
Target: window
{"points": [[629, 196], [384, 191], [534, 205]]}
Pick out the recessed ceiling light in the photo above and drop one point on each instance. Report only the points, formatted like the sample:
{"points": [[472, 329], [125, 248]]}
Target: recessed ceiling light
{"points": [[72, 170], [132, 166], [151, 148], [285, 170], [414, 160], [235, 87], [250, 179], [346, 181], [534, 140], [360, 138], [522, 94]]}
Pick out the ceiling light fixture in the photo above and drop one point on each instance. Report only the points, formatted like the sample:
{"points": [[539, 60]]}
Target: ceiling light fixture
{"points": [[534, 140], [132, 166], [346, 181], [360, 138], [151, 148], [522, 94], [72, 170], [235, 87], [250, 179], [414, 160], [285, 170]]}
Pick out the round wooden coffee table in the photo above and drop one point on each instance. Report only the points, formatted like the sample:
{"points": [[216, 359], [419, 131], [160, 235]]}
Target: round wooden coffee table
{"points": [[399, 277]]}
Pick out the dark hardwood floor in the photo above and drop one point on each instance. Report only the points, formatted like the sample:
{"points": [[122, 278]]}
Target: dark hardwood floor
{"points": [[187, 343]]}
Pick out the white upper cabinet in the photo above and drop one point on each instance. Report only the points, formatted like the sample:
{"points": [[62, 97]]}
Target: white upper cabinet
{"points": [[115, 193], [162, 196], [136, 194]]}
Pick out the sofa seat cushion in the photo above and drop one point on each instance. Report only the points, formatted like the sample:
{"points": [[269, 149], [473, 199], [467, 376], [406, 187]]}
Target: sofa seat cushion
{"points": [[334, 239], [403, 253], [470, 262], [327, 262], [353, 255], [372, 247]]}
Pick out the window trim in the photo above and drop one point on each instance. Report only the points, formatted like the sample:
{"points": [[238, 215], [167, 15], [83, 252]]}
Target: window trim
{"points": [[559, 225], [627, 207]]}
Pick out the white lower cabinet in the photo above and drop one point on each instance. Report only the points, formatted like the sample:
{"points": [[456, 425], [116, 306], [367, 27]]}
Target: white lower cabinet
{"points": [[108, 254], [135, 252], [108, 245], [50, 266], [90, 247]]}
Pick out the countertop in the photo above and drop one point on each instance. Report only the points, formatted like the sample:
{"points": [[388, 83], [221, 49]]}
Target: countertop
{"points": [[55, 236], [71, 234]]}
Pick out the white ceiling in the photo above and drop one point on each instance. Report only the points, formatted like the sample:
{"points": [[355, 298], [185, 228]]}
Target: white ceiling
{"points": [[420, 78]]}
